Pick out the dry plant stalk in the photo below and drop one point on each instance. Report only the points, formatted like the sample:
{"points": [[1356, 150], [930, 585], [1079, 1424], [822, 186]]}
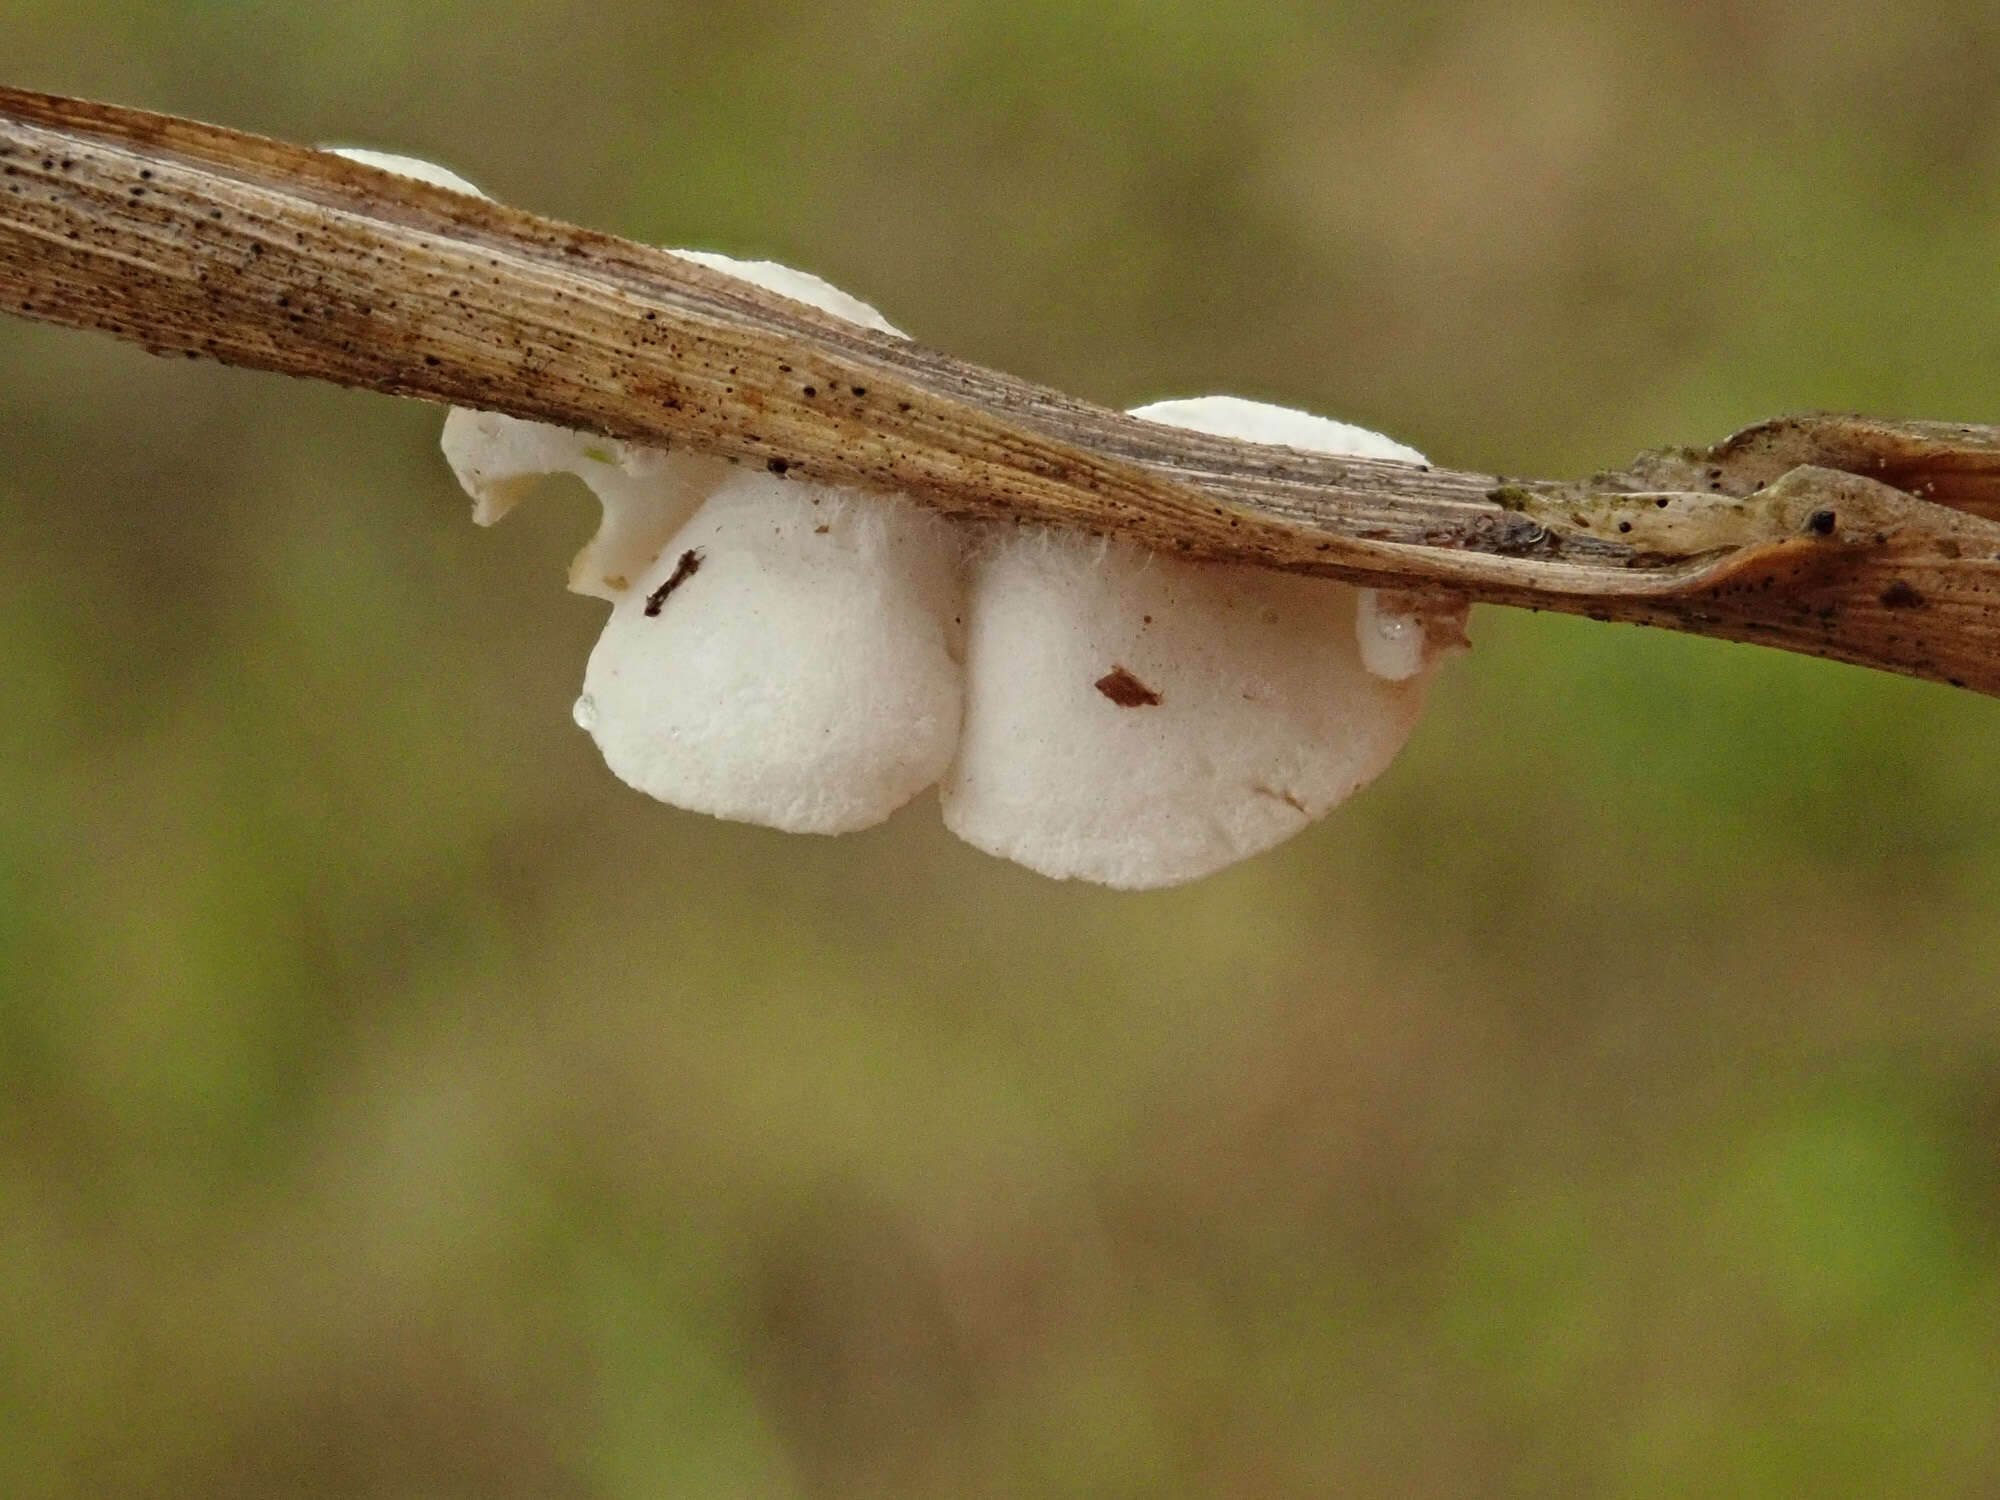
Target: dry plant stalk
{"points": [[1866, 541]]}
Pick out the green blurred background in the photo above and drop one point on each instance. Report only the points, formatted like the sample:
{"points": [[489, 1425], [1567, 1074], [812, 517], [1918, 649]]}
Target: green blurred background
{"points": [[1608, 1102]]}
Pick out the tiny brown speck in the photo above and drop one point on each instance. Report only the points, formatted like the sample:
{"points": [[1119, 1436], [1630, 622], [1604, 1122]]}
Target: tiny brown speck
{"points": [[1901, 595], [1125, 690]]}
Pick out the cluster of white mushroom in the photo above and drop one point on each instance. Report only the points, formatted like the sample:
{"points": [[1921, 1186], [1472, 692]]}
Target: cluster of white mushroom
{"points": [[810, 658]]}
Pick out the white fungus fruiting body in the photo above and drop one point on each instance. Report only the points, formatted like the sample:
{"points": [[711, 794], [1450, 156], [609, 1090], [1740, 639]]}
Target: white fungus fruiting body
{"points": [[647, 493], [409, 166], [806, 657], [1262, 422], [1136, 720], [790, 659]]}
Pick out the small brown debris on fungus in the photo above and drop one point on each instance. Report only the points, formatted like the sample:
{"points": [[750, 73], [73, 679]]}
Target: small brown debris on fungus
{"points": [[1902, 594], [1125, 690], [1285, 797], [683, 570]]}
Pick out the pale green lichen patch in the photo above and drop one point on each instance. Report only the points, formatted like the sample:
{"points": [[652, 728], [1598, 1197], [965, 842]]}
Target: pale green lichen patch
{"points": [[1679, 523]]}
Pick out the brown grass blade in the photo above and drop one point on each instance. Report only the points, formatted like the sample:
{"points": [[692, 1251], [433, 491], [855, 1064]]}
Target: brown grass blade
{"points": [[1866, 541]]}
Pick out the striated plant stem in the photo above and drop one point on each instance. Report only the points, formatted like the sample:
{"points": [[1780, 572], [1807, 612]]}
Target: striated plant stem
{"points": [[1867, 541]]}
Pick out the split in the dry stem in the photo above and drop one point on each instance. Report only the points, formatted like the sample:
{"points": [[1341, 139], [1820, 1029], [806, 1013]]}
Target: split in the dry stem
{"points": [[1869, 542]]}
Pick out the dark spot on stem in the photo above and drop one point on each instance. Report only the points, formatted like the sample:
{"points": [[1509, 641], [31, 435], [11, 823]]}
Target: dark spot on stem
{"points": [[1125, 690], [1822, 522], [779, 465], [685, 569], [1902, 595]]}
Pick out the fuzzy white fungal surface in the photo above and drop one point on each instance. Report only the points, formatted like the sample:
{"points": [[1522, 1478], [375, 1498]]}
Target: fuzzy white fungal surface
{"points": [[647, 493], [789, 659], [810, 658], [1261, 422], [1136, 720], [800, 286], [409, 166]]}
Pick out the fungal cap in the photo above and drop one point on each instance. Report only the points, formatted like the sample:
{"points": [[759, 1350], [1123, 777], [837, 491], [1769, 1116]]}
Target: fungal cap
{"points": [[1260, 422], [409, 166], [778, 652], [790, 659], [1136, 720], [800, 286]]}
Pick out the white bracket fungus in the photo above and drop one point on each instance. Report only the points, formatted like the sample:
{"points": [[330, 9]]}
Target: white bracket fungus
{"points": [[810, 658]]}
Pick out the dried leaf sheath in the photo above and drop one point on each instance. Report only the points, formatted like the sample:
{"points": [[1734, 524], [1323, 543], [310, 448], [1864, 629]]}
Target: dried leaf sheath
{"points": [[187, 238]]}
